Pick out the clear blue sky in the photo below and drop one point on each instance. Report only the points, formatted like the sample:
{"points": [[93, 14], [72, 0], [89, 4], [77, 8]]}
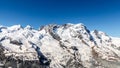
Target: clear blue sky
{"points": [[103, 15]]}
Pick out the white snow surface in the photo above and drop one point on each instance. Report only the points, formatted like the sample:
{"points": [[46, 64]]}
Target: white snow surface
{"points": [[60, 43]]}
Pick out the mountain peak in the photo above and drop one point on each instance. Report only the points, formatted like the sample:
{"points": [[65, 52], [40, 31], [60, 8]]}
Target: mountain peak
{"points": [[28, 27], [15, 27]]}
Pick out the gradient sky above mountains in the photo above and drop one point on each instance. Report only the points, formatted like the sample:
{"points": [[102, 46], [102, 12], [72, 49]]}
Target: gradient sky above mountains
{"points": [[103, 15]]}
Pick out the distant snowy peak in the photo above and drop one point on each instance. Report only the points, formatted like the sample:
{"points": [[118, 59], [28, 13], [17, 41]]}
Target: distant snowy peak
{"points": [[28, 27], [100, 37], [15, 27]]}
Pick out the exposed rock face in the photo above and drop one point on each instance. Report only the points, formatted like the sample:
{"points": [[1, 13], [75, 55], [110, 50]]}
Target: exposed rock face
{"points": [[65, 46]]}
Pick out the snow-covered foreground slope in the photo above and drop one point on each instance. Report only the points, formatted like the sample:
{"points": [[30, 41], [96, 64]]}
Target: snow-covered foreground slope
{"points": [[67, 46]]}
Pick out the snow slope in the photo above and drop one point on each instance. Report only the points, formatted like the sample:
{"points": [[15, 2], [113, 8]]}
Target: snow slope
{"points": [[67, 46]]}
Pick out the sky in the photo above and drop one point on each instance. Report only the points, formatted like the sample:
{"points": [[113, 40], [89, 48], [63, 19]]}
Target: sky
{"points": [[103, 15]]}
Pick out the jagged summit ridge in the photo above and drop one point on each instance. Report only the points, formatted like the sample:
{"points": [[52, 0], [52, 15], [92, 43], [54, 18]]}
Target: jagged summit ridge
{"points": [[67, 46]]}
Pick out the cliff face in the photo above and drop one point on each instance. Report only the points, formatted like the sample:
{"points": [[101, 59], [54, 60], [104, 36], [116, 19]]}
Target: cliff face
{"points": [[63, 46]]}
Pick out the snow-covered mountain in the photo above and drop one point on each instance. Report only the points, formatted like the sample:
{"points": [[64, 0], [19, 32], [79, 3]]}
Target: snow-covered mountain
{"points": [[67, 46]]}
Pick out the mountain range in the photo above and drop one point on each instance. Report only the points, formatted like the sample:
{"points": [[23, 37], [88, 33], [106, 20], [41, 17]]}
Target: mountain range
{"points": [[64, 46]]}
